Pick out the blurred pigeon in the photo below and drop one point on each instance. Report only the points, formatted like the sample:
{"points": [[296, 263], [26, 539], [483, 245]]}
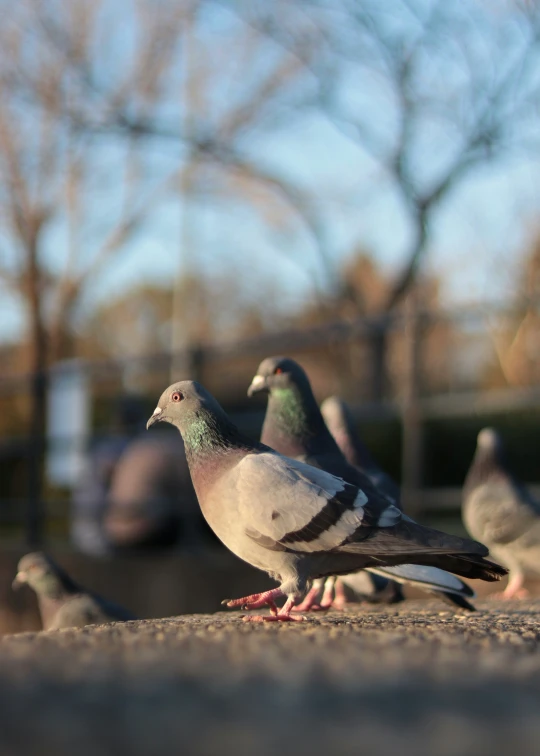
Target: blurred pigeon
{"points": [[295, 426], [363, 586], [292, 520], [339, 422], [151, 503], [62, 602], [383, 586], [499, 510]]}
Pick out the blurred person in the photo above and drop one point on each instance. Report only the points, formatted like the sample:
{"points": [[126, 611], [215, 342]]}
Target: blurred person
{"points": [[151, 503], [135, 494]]}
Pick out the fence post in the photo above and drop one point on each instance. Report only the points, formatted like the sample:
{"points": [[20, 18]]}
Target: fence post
{"points": [[412, 426], [35, 514], [377, 340]]}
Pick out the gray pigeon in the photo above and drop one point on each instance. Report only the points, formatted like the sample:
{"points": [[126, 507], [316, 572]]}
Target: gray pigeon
{"points": [[295, 426], [339, 422], [499, 510], [62, 602], [294, 521]]}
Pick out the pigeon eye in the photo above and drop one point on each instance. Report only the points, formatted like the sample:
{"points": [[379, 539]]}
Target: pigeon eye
{"points": [[177, 396], [277, 371]]}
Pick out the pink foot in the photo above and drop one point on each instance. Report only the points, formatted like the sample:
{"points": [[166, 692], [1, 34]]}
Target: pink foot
{"points": [[340, 599], [278, 615], [328, 595], [514, 589], [520, 593], [310, 601], [256, 600], [334, 595]]}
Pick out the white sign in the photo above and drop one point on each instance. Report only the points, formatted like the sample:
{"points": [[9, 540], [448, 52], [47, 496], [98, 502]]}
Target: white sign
{"points": [[68, 422]]}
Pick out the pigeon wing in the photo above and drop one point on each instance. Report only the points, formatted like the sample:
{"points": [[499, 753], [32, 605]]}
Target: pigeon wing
{"points": [[288, 505]]}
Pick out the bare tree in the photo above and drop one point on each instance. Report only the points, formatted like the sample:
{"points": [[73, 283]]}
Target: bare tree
{"points": [[222, 90], [57, 235], [428, 90], [84, 87]]}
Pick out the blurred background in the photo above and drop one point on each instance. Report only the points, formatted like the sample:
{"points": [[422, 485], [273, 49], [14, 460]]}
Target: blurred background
{"points": [[189, 187]]}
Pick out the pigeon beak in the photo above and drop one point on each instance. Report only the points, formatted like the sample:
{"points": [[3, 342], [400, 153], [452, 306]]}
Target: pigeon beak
{"points": [[20, 579], [156, 417], [258, 385]]}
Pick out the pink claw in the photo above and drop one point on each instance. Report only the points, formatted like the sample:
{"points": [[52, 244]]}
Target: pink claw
{"points": [[256, 600], [278, 615], [514, 589]]}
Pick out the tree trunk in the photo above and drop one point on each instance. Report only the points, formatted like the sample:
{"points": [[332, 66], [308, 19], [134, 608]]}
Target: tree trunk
{"points": [[379, 379], [401, 288], [37, 429], [412, 425]]}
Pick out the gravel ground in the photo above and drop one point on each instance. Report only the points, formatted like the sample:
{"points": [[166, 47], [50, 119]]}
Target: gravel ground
{"points": [[411, 680]]}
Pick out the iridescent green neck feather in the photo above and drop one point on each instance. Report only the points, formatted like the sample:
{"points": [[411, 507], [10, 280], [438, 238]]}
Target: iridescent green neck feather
{"points": [[293, 424], [289, 410], [213, 444], [205, 432]]}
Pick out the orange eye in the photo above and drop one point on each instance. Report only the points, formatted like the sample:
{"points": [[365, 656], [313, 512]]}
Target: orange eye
{"points": [[277, 371], [177, 396]]}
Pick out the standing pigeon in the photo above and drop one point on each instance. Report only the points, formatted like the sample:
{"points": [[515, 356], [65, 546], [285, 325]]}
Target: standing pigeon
{"points": [[498, 509], [295, 426], [339, 421], [62, 602], [292, 520]]}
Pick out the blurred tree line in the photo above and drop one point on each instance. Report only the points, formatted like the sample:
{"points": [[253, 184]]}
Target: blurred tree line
{"points": [[110, 111]]}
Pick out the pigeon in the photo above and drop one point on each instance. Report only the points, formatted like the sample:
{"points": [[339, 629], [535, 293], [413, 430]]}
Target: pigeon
{"points": [[340, 423], [383, 586], [294, 521], [62, 602], [294, 426], [338, 419], [500, 511], [365, 586]]}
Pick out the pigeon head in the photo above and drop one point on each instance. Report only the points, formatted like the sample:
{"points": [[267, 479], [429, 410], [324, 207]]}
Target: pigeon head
{"points": [[490, 448], [181, 403], [277, 373], [489, 440], [40, 572], [202, 422], [488, 462], [293, 424]]}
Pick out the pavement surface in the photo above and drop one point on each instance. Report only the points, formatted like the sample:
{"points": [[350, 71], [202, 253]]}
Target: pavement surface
{"points": [[413, 679]]}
